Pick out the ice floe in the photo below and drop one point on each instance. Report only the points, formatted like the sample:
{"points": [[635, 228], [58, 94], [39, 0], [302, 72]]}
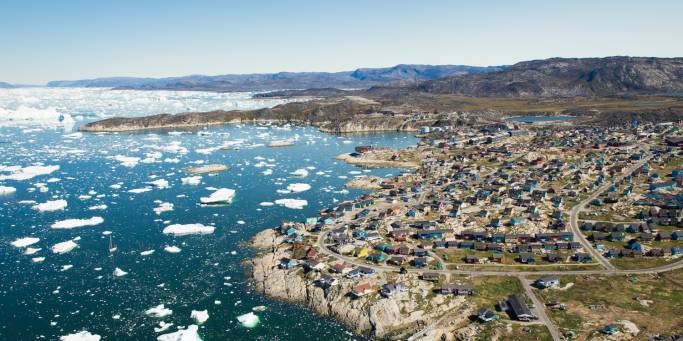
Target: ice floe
{"points": [[127, 161], [163, 207], [163, 326], [192, 180], [147, 252], [188, 229], [119, 273], [189, 334], [160, 183], [6, 190], [220, 196], [31, 251], [64, 247], [25, 173], [249, 320], [200, 316], [139, 190], [159, 311], [292, 203], [73, 223], [302, 172], [172, 249], [80, 336], [50, 206], [298, 187], [24, 242], [37, 259]]}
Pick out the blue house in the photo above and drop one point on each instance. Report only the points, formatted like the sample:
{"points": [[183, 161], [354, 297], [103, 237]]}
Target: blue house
{"points": [[634, 245]]}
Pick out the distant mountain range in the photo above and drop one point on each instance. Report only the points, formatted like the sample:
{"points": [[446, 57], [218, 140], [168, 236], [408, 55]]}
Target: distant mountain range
{"points": [[360, 78], [4, 85], [568, 77]]}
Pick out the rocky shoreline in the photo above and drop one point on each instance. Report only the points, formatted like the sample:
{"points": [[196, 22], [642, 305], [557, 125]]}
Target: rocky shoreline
{"points": [[397, 317]]}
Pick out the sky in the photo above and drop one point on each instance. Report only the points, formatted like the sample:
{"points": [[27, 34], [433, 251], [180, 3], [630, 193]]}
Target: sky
{"points": [[69, 39]]}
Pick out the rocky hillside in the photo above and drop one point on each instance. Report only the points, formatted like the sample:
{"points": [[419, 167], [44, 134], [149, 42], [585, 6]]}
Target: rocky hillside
{"points": [[568, 77], [360, 78]]}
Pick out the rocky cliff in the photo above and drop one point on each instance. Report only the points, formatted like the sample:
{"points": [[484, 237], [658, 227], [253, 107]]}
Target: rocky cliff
{"points": [[396, 317]]}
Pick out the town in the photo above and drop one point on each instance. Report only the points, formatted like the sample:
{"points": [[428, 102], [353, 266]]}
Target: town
{"points": [[522, 205]]}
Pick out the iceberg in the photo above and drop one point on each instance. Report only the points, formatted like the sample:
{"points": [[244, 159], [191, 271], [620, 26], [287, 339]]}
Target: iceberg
{"points": [[189, 334], [163, 207], [172, 249], [127, 161], [50, 206], [200, 316], [30, 172], [25, 116], [188, 229], [64, 247], [292, 203], [24, 242], [302, 172], [119, 273], [80, 336], [192, 180], [73, 223], [139, 190], [159, 311], [6, 190], [296, 188], [249, 320], [160, 184], [147, 252], [31, 250], [37, 259], [162, 327], [223, 195]]}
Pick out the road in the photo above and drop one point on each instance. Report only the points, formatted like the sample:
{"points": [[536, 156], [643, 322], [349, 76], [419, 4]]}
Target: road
{"points": [[540, 310]]}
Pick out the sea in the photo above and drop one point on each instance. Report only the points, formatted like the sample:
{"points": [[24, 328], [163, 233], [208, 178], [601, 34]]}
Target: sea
{"points": [[67, 198]]}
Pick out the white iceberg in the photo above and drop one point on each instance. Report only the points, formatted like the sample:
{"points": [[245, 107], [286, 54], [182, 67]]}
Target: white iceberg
{"points": [[37, 259], [24, 242], [172, 249], [200, 316], [127, 161], [19, 174], [192, 180], [6, 190], [292, 203], [163, 207], [162, 327], [51, 205], [73, 223], [223, 195], [302, 172], [147, 252], [98, 207], [64, 247], [249, 320], [139, 190], [189, 334], [297, 187], [31, 251], [25, 116], [80, 336], [159, 311], [119, 273], [188, 229], [160, 183]]}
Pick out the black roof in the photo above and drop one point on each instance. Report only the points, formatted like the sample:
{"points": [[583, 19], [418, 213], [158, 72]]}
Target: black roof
{"points": [[519, 308]]}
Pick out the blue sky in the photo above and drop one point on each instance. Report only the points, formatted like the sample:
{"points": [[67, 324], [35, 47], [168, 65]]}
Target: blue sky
{"points": [[66, 39]]}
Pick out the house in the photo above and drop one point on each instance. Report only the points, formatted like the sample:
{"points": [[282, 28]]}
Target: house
{"points": [[553, 258], [582, 258], [341, 268], [314, 265], [326, 281], [485, 315], [457, 289], [396, 260], [517, 309], [389, 290], [419, 262], [471, 259], [547, 282], [431, 276], [286, 263], [527, 259], [361, 290]]}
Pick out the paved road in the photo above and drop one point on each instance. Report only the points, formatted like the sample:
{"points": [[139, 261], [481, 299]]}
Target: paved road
{"points": [[540, 310], [574, 215]]}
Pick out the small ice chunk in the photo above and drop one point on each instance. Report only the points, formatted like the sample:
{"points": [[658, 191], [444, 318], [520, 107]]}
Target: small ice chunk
{"points": [[172, 249], [139, 190], [31, 250], [159, 311], [147, 252], [127, 161], [189, 334], [73, 223], [6, 190], [192, 180], [24, 242], [37, 259], [187, 229], [119, 273], [292, 203], [80, 336], [223, 195], [302, 172], [162, 327], [160, 183], [266, 203], [51, 205], [297, 187], [163, 207], [200, 316], [249, 320], [64, 247], [66, 267], [98, 207]]}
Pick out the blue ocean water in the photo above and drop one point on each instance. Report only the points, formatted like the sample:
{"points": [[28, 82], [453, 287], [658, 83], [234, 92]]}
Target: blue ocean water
{"points": [[42, 300]]}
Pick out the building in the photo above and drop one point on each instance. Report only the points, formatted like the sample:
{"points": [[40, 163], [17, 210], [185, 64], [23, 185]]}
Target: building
{"points": [[517, 309], [547, 282]]}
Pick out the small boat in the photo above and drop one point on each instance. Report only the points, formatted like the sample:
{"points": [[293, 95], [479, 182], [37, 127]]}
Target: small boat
{"points": [[112, 247]]}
